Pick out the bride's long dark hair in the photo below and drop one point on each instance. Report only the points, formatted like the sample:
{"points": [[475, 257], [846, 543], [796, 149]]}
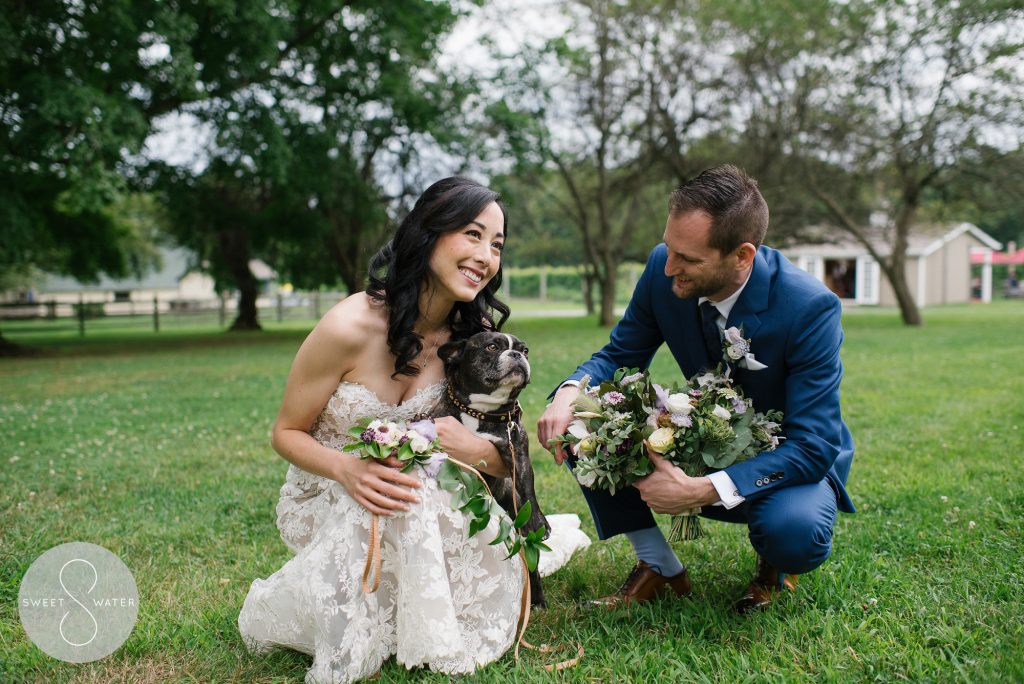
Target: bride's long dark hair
{"points": [[399, 271]]}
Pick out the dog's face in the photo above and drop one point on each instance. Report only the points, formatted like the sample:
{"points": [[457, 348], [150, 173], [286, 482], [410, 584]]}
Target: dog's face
{"points": [[488, 363]]}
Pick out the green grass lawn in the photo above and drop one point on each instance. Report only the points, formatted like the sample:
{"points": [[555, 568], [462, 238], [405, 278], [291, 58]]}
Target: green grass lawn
{"points": [[155, 446]]}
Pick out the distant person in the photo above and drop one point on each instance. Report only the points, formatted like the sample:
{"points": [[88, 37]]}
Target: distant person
{"points": [[712, 273], [1012, 285]]}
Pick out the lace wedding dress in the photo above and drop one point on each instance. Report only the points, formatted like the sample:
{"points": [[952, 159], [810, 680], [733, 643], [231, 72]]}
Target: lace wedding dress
{"points": [[445, 601]]}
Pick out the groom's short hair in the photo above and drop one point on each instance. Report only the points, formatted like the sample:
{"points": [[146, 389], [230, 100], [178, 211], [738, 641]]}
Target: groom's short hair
{"points": [[730, 197]]}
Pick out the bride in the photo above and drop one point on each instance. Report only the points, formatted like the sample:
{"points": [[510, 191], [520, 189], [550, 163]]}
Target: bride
{"points": [[444, 601]]}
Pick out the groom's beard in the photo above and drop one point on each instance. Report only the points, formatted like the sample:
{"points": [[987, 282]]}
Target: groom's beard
{"points": [[701, 285]]}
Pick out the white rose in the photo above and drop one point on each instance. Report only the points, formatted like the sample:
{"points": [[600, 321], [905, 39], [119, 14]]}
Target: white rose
{"points": [[722, 412], [679, 404], [419, 444], [734, 352], [394, 432], [661, 440]]}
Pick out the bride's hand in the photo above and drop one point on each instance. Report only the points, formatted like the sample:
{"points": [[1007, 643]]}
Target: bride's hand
{"points": [[379, 488], [468, 447]]}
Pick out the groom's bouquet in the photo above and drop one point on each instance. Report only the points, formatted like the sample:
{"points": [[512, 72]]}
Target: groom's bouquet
{"points": [[705, 424]]}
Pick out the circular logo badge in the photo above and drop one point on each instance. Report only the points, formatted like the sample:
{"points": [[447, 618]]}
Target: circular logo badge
{"points": [[78, 602]]}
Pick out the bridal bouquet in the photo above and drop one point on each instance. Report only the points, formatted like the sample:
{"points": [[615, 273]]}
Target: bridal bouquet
{"points": [[417, 444], [705, 424]]}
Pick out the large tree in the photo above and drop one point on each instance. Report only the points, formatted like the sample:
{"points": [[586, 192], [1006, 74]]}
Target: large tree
{"points": [[71, 109], [872, 107], [84, 84], [611, 108], [81, 84], [335, 114]]}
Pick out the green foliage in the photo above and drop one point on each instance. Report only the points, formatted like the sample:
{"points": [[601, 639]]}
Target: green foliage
{"points": [[178, 479], [470, 495], [304, 100], [73, 110]]}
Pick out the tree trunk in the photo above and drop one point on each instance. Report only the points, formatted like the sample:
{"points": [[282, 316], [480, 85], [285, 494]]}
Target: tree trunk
{"points": [[588, 292], [345, 246], [608, 298], [898, 261], [896, 272], [248, 315], [235, 253]]}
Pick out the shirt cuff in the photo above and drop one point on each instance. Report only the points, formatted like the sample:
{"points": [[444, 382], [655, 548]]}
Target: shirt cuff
{"points": [[726, 488], [569, 383]]}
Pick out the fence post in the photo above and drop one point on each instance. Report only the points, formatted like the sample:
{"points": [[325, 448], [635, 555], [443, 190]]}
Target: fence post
{"points": [[51, 309], [156, 314], [316, 304], [222, 313], [81, 315], [506, 286], [280, 307], [543, 283]]}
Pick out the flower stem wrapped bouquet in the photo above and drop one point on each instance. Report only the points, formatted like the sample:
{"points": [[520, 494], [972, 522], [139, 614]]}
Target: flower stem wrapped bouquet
{"points": [[705, 424]]}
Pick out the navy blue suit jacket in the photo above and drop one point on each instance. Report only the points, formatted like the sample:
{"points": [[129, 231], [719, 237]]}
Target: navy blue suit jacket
{"points": [[793, 323]]}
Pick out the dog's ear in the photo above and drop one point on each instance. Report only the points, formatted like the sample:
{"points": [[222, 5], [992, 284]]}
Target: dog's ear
{"points": [[451, 352]]}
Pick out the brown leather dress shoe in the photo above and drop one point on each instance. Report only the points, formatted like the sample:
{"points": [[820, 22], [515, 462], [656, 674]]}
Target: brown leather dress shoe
{"points": [[764, 587], [644, 584]]}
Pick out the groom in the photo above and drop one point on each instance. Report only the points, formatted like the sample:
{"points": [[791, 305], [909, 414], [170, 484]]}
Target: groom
{"points": [[711, 274]]}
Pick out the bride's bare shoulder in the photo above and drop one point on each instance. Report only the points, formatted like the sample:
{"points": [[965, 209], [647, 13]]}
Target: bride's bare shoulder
{"points": [[355, 318]]}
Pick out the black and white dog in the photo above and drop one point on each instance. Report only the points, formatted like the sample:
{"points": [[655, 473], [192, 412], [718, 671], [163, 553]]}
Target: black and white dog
{"points": [[484, 376]]}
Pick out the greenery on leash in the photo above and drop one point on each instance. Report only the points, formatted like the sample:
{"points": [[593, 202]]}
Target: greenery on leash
{"points": [[470, 495]]}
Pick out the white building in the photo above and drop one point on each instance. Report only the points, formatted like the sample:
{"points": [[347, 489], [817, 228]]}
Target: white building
{"points": [[177, 284], [938, 266]]}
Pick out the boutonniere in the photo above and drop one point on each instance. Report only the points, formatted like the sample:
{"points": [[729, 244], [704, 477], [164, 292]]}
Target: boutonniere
{"points": [[736, 349]]}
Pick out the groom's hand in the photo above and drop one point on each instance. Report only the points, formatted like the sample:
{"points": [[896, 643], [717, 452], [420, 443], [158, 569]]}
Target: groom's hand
{"points": [[669, 490], [555, 420]]}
